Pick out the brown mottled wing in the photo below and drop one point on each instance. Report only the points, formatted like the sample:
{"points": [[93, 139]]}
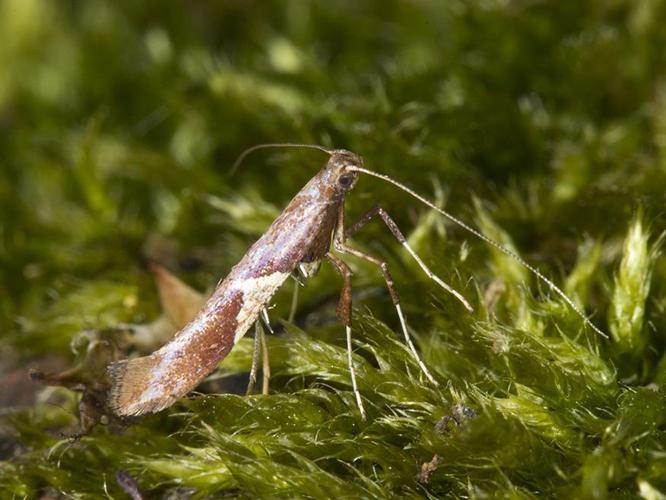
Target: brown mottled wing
{"points": [[302, 232]]}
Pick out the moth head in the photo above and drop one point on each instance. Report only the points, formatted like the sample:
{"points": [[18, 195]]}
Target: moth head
{"points": [[344, 164]]}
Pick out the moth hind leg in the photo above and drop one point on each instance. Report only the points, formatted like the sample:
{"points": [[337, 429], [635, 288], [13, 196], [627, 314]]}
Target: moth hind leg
{"points": [[260, 348], [266, 365], [256, 350]]}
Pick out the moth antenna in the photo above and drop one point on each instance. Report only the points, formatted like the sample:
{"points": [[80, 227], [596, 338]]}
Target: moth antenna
{"points": [[274, 145], [491, 242]]}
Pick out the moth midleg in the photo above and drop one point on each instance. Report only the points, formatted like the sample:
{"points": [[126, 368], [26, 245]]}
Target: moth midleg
{"points": [[395, 231], [390, 285], [343, 311], [339, 244]]}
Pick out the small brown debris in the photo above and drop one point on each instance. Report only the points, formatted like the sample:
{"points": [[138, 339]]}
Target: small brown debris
{"points": [[428, 468]]}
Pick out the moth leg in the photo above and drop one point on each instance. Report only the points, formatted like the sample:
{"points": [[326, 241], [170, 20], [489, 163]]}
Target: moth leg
{"points": [[258, 336], [266, 371], [294, 302], [303, 270], [266, 366], [343, 311], [340, 245], [393, 227], [390, 285]]}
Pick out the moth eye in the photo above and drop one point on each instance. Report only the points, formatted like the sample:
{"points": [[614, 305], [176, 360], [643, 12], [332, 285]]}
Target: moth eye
{"points": [[345, 181]]}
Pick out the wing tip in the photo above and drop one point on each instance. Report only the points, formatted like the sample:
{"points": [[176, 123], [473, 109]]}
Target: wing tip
{"points": [[129, 382]]}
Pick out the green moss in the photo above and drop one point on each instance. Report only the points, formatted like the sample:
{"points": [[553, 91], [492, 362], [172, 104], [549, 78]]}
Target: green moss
{"points": [[542, 122], [632, 286]]}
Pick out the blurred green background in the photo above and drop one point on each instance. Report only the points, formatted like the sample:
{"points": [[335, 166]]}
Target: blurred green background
{"points": [[542, 122]]}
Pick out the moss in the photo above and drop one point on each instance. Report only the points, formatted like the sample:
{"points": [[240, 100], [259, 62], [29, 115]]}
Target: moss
{"points": [[631, 289], [542, 122]]}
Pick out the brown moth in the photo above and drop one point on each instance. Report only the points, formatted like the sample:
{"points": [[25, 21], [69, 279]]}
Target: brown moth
{"points": [[296, 241]]}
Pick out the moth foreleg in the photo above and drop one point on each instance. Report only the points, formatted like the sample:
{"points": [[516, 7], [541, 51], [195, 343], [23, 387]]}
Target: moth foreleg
{"points": [[395, 230], [390, 285], [343, 312]]}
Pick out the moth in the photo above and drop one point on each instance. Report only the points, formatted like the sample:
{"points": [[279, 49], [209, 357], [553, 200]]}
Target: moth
{"points": [[297, 241]]}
